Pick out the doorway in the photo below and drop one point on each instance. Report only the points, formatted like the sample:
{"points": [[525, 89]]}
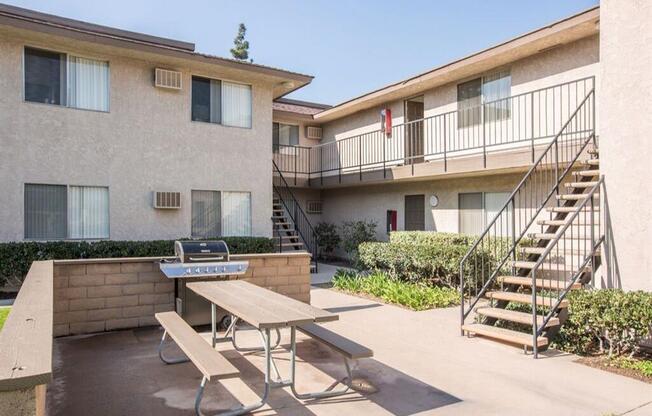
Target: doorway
{"points": [[413, 130], [415, 213]]}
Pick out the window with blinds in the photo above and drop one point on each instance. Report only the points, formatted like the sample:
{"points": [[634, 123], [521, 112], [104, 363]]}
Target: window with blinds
{"points": [[285, 135], [57, 212], [221, 102], [492, 90], [478, 209], [67, 80], [236, 214]]}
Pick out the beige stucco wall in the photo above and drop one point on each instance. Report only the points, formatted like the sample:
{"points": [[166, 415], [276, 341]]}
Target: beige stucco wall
{"points": [[625, 149], [372, 202], [565, 63], [146, 142]]}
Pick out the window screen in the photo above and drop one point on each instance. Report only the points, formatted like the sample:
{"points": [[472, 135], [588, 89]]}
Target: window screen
{"points": [[45, 76], [469, 102], [205, 214], [45, 211]]}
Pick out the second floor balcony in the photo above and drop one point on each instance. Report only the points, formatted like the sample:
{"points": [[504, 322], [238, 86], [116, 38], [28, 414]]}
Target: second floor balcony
{"points": [[500, 135]]}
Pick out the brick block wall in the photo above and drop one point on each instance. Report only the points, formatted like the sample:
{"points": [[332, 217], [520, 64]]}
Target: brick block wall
{"points": [[96, 295]]}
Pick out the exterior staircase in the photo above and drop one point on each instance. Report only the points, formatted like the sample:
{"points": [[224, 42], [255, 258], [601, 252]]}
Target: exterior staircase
{"points": [[544, 243], [291, 228]]}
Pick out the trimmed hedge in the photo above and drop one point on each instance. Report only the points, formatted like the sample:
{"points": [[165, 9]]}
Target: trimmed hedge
{"points": [[434, 264], [607, 321], [430, 237], [16, 258]]}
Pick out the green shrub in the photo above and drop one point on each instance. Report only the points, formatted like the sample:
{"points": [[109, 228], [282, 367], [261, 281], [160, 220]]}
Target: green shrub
{"points": [[327, 238], [606, 321], [412, 295], [643, 367], [355, 233], [16, 258], [433, 264], [430, 237]]}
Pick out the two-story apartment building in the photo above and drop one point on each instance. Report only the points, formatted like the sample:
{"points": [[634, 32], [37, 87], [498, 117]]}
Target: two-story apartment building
{"points": [[95, 121]]}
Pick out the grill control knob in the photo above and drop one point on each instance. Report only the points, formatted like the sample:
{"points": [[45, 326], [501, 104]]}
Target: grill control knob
{"points": [[223, 269], [197, 270], [188, 271]]}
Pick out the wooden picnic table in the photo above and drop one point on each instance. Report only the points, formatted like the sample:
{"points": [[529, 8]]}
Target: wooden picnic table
{"points": [[264, 310]]}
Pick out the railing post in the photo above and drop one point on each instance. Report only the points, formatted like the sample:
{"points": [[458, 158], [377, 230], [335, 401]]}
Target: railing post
{"points": [[592, 240], [484, 141], [360, 155], [445, 160], [309, 166], [383, 137], [296, 151], [321, 164], [535, 329], [513, 231], [461, 297], [532, 122]]}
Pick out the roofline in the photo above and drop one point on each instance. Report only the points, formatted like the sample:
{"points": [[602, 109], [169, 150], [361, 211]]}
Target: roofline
{"points": [[303, 103], [47, 23], [587, 14]]}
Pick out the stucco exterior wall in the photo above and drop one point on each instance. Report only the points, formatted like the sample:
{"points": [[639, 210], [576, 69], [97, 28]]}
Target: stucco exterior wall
{"points": [[146, 142], [565, 63], [372, 202], [625, 149]]}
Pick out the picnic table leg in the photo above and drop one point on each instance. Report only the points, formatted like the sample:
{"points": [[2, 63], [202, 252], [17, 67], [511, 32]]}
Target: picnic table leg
{"points": [[329, 392], [169, 360], [243, 349], [241, 410]]}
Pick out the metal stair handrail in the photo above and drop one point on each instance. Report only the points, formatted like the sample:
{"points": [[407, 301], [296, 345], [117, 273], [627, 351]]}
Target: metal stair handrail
{"points": [[547, 172], [296, 213], [564, 286]]}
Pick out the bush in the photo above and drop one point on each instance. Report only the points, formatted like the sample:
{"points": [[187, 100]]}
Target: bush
{"points": [[606, 321], [16, 258], [415, 296], [327, 238], [435, 264], [355, 233], [431, 237]]}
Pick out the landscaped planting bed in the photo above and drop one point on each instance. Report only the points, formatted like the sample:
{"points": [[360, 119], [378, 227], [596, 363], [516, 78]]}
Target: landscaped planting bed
{"points": [[378, 285]]}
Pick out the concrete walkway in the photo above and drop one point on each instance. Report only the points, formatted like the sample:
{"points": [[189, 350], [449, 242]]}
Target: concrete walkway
{"points": [[325, 275], [422, 366]]}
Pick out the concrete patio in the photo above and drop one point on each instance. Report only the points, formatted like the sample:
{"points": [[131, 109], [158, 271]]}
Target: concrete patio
{"points": [[421, 366]]}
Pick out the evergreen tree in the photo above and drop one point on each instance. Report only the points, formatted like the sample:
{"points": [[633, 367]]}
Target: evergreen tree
{"points": [[240, 51]]}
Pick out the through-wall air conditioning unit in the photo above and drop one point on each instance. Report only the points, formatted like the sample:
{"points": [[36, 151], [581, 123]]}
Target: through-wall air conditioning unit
{"points": [[313, 207], [313, 132], [165, 78], [167, 200]]}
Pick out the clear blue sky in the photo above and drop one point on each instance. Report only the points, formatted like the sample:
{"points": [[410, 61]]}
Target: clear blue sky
{"points": [[351, 47]]}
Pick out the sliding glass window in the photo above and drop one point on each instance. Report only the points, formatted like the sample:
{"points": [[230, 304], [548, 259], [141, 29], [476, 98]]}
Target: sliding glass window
{"points": [[57, 212], [489, 94], [66, 80], [221, 102], [285, 134]]}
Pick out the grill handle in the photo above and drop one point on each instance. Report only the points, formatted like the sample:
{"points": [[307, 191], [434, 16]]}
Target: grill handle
{"points": [[206, 258]]}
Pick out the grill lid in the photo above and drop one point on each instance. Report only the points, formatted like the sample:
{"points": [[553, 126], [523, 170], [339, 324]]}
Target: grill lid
{"points": [[192, 251]]}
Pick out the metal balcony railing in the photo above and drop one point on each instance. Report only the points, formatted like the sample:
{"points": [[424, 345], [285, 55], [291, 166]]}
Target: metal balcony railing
{"points": [[524, 120]]}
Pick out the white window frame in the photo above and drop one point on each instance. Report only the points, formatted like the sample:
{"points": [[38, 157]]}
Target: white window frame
{"points": [[68, 186], [65, 90], [222, 80]]}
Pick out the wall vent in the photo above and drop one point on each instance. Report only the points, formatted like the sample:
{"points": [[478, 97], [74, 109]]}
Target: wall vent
{"points": [[313, 132], [313, 207], [164, 78], [167, 200]]}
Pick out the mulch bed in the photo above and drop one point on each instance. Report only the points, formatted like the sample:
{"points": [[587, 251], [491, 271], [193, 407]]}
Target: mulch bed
{"points": [[603, 363]]}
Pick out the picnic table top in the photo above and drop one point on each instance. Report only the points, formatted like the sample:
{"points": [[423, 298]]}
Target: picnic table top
{"points": [[258, 306]]}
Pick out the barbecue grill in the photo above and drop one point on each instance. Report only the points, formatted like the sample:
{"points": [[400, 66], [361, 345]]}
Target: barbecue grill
{"points": [[198, 260]]}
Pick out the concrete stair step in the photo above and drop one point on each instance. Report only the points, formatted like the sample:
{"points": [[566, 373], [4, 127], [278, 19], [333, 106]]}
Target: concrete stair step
{"points": [[569, 209], [526, 298], [554, 251], [575, 197], [587, 184], [541, 283], [507, 335], [552, 236], [591, 162], [514, 316]]}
